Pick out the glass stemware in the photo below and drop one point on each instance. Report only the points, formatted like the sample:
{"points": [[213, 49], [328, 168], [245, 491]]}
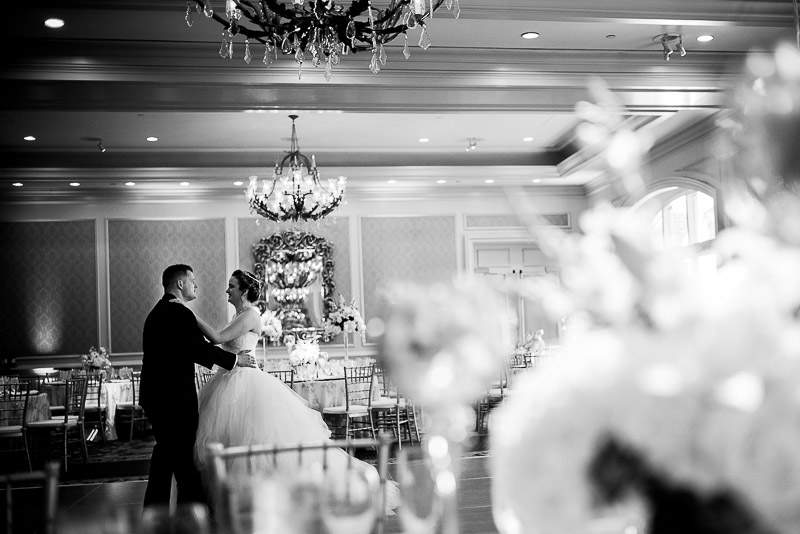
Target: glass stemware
{"points": [[349, 500], [420, 506]]}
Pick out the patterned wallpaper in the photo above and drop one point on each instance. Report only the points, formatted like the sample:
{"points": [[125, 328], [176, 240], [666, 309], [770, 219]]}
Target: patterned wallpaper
{"points": [[334, 229], [140, 250], [49, 285], [414, 249]]}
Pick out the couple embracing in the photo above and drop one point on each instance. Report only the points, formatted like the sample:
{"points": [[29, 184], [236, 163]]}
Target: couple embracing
{"points": [[240, 405]]}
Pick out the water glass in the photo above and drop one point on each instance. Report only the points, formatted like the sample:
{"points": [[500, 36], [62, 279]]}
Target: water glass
{"points": [[350, 498]]}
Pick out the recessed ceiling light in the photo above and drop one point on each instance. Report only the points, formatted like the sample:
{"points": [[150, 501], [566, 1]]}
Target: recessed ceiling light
{"points": [[238, 183], [29, 138], [17, 184], [530, 35], [423, 139], [489, 181], [441, 181], [184, 184], [130, 184], [152, 139], [536, 180], [54, 23], [527, 139], [391, 181], [705, 38], [611, 36], [75, 184]]}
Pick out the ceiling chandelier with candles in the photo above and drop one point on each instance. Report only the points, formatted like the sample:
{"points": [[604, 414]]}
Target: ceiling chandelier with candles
{"points": [[320, 31], [295, 191]]}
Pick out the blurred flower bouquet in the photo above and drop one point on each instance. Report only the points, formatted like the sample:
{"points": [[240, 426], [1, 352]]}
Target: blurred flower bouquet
{"points": [[345, 318], [96, 360], [668, 407], [271, 326]]}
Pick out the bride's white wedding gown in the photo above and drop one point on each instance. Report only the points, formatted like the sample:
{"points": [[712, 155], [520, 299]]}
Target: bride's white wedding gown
{"points": [[247, 406]]}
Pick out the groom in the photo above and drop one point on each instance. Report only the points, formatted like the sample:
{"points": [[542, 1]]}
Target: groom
{"points": [[172, 344]]}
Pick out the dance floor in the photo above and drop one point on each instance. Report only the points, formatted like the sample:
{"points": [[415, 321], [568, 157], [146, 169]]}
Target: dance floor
{"points": [[96, 506]]}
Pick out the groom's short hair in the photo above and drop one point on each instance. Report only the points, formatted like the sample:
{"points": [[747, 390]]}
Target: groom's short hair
{"points": [[174, 272]]}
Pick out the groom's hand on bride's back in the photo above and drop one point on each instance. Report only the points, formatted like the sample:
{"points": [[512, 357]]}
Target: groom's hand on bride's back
{"points": [[245, 359]]}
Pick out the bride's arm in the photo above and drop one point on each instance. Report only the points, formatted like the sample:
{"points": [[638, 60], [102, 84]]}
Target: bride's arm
{"points": [[250, 320]]}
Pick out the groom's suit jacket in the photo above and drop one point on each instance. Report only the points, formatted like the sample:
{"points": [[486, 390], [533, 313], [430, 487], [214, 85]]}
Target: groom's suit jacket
{"points": [[172, 344]]}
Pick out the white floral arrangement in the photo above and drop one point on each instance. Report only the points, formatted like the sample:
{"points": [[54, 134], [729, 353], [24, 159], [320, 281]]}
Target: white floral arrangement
{"points": [[306, 357], [98, 358], [271, 326], [344, 318]]}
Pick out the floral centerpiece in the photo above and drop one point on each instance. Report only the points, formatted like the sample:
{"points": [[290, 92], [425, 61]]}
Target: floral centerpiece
{"points": [[96, 360], [306, 358], [344, 318], [271, 326]]}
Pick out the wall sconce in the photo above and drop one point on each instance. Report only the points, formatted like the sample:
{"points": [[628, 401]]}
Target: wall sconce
{"points": [[671, 42], [473, 144]]}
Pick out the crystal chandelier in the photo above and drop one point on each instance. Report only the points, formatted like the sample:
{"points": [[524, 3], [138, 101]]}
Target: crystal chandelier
{"points": [[320, 29], [298, 194]]}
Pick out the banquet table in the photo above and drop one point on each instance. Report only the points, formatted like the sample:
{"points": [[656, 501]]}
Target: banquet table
{"points": [[321, 393], [38, 408], [112, 392]]}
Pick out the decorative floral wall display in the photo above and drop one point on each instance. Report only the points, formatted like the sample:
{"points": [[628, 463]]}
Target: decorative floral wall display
{"points": [[674, 405]]}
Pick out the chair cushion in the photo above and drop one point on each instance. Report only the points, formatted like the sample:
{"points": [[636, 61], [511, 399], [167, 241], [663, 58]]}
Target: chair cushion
{"points": [[355, 410]]}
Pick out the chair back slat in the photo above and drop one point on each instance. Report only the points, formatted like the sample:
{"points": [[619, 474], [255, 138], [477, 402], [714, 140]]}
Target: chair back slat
{"points": [[284, 375], [358, 385], [227, 465]]}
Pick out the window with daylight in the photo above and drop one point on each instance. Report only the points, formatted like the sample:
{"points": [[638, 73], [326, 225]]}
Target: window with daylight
{"points": [[684, 220]]}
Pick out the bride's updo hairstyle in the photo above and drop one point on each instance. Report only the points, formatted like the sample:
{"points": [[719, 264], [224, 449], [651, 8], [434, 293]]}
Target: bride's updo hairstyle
{"points": [[248, 284]]}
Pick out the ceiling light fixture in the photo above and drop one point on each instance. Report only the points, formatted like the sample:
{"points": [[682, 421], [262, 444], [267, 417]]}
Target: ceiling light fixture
{"points": [[298, 194], [472, 144], [74, 184], [530, 35], [705, 38], [54, 23], [130, 184], [152, 139], [17, 184], [29, 138], [671, 42], [321, 29]]}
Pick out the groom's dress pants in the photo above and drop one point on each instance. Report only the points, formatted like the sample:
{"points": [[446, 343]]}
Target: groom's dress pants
{"points": [[173, 454]]}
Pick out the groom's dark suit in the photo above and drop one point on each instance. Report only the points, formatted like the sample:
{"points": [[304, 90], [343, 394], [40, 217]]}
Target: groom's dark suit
{"points": [[172, 344]]}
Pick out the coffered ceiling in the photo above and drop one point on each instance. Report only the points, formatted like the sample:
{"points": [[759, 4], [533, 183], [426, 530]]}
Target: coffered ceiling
{"points": [[124, 70]]}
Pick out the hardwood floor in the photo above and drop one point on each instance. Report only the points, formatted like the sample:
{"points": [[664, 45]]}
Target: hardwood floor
{"points": [[108, 507]]}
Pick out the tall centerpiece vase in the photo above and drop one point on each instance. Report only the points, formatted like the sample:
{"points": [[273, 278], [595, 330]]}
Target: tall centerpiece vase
{"points": [[346, 348], [443, 345]]}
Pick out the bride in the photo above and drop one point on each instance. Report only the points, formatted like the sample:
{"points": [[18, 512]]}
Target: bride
{"points": [[246, 406]]}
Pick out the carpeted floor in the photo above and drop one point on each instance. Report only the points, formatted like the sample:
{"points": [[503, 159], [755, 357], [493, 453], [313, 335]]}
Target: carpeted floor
{"points": [[130, 460]]}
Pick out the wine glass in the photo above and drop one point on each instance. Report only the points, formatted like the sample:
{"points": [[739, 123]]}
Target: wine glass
{"points": [[420, 504], [349, 499]]}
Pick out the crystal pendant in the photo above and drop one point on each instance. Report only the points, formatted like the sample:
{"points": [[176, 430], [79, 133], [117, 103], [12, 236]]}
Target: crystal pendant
{"points": [[299, 56], [268, 55], [456, 9], [382, 55], [373, 64], [226, 49], [424, 40], [329, 68], [189, 14], [286, 46], [208, 11], [406, 52], [350, 31], [247, 55]]}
